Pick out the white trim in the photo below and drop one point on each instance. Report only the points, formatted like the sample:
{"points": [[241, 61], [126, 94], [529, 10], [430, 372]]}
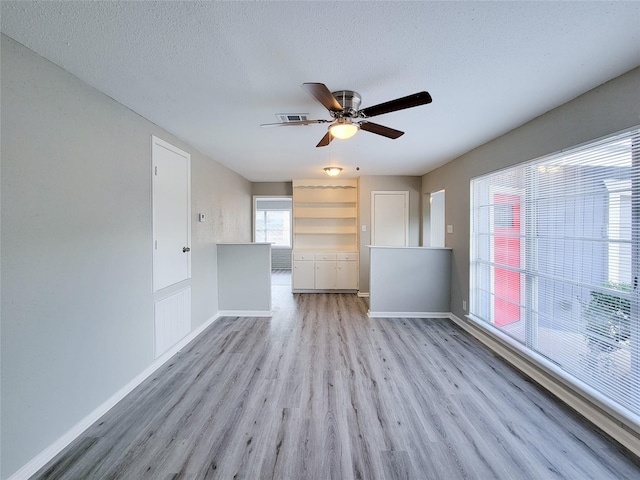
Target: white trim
{"points": [[546, 374], [325, 182], [371, 314], [323, 290], [363, 294], [46, 455], [245, 313]]}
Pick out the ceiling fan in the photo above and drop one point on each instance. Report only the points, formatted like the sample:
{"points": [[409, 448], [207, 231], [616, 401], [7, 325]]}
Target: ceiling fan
{"points": [[343, 107]]}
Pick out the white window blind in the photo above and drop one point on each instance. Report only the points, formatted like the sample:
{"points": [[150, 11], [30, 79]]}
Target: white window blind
{"points": [[555, 254]]}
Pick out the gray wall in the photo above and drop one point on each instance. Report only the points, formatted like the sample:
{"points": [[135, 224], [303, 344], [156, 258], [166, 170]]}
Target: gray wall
{"points": [[244, 277], [609, 108], [420, 280], [371, 183], [272, 188], [77, 303]]}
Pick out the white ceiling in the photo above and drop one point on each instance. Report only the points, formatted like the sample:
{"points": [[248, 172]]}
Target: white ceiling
{"points": [[212, 72]]}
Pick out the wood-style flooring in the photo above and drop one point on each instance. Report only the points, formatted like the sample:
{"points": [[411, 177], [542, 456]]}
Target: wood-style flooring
{"points": [[320, 391]]}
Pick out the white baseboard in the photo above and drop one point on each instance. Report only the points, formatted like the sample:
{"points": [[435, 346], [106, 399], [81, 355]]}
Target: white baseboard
{"points": [[74, 432], [582, 402], [245, 313], [408, 314], [363, 294], [321, 290]]}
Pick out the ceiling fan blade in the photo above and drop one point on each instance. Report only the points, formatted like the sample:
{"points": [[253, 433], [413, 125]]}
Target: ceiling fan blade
{"points": [[381, 130], [321, 93], [420, 98], [299, 122], [326, 140]]}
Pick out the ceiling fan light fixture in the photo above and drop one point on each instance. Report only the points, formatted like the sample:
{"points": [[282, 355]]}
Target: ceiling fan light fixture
{"points": [[332, 171], [343, 129]]}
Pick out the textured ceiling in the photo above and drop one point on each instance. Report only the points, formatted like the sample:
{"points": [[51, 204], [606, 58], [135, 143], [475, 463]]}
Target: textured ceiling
{"points": [[212, 72]]}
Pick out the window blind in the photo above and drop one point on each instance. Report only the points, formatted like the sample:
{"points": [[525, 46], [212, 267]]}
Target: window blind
{"points": [[555, 254]]}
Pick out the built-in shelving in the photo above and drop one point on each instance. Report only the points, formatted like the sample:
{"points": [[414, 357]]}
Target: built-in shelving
{"points": [[325, 215], [325, 235]]}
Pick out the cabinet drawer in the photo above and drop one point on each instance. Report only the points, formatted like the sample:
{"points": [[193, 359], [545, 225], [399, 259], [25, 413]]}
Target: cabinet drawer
{"points": [[350, 256], [303, 255], [325, 256]]}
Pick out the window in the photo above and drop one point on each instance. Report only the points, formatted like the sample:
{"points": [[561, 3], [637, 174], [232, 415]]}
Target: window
{"points": [[272, 221], [555, 254]]}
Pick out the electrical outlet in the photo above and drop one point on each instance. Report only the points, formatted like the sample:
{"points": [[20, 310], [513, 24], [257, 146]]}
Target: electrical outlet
{"points": [[449, 228], [464, 305]]}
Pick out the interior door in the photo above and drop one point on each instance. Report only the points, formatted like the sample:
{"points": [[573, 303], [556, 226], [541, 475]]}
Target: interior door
{"points": [[171, 186], [390, 219]]}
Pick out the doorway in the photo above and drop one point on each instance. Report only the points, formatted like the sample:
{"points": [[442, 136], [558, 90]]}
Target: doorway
{"points": [[436, 219]]}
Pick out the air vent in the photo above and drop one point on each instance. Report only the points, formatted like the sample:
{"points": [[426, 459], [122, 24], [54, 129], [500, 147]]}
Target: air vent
{"points": [[292, 117]]}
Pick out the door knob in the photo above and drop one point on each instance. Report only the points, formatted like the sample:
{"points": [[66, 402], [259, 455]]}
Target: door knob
{"points": [[185, 249]]}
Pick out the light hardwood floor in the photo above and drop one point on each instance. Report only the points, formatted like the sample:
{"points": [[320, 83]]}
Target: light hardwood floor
{"points": [[320, 391]]}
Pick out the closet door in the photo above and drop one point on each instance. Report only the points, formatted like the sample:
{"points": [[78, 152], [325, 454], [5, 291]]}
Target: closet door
{"points": [[390, 219]]}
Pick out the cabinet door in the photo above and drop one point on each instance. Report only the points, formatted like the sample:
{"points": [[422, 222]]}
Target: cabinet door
{"points": [[303, 274], [326, 275], [347, 276]]}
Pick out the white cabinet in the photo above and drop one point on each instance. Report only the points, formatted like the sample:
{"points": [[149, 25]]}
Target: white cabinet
{"points": [[303, 277], [325, 271], [347, 275], [303, 271], [326, 275]]}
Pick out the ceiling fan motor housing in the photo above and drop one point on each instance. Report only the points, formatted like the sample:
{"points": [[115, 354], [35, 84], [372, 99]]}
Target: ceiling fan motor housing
{"points": [[350, 102]]}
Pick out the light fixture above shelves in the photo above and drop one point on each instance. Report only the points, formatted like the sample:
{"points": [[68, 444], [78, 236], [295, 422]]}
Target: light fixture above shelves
{"points": [[332, 171]]}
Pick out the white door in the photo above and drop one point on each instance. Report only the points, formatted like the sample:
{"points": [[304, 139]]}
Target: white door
{"points": [[390, 219], [171, 187]]}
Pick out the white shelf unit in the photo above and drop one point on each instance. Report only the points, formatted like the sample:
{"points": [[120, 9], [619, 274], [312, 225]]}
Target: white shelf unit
{"points": [[325, 215], [325, 235]]}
